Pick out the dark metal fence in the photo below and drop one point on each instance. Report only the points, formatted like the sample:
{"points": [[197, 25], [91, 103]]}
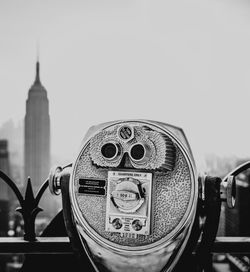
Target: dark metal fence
{"points": [[61, 245]]}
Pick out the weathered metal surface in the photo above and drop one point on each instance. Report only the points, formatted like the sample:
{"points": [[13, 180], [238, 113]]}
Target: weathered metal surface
{"points": [[174, 198]]}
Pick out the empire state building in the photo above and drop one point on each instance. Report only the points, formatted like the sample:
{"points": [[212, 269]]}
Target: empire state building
{"points": [[37, 133]]}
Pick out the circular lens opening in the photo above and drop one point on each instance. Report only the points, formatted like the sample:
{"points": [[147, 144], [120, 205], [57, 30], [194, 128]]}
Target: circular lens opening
{"points": [[109, 150], [137, 152]]}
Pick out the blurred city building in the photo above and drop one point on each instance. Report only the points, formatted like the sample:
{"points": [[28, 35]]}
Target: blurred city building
{"points": [[4, 195], [11, 163], [37, 142], [15, 136], [233, 222], [37, 133], [237, 220]]}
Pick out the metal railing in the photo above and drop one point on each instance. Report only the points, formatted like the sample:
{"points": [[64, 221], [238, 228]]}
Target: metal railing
{"points": [[61, 245]]}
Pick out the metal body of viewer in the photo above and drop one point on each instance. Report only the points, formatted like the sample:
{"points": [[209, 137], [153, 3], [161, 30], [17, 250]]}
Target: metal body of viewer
{"points": [[138, 224]]}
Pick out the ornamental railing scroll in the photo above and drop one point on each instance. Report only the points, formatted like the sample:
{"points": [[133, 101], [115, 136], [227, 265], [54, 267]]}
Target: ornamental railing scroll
{"points": [[29, 205]]}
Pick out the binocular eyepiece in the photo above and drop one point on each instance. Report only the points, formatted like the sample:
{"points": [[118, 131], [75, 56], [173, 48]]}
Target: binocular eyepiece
{"points": [[137, 152], [110, 151]]}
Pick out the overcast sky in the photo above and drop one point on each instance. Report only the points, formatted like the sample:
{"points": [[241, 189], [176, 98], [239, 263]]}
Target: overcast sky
{"points": [[182, 62]]}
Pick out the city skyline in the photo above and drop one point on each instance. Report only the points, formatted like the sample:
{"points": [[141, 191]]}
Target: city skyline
{"points": [[186, 65]]}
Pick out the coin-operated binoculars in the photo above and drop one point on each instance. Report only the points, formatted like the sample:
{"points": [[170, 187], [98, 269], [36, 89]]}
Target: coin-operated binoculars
{"points": [[132, 201]]}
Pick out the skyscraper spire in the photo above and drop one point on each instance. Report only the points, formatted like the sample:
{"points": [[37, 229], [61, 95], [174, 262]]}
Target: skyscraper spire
{"points": [[37, 85], [37, 80]]}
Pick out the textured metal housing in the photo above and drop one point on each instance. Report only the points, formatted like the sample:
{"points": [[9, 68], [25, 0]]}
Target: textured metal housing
{"points": [[174, 200]]}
